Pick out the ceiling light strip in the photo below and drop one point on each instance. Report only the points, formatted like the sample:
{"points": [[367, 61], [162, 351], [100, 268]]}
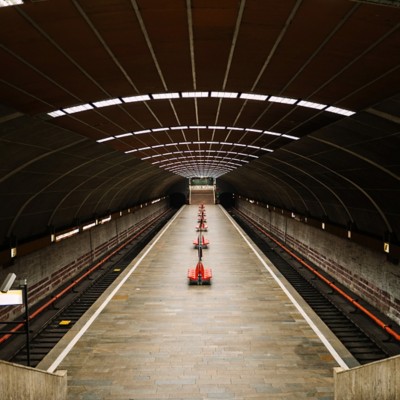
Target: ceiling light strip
{"points": [[195, 143], [198, 94]]}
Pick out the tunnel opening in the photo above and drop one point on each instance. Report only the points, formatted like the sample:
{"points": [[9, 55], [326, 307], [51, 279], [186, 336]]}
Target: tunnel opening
{"points": [[227, 199], [177, 200]]}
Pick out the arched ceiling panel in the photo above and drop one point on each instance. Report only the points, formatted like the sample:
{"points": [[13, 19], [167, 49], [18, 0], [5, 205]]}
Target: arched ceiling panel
{"points": [[294, 103]]}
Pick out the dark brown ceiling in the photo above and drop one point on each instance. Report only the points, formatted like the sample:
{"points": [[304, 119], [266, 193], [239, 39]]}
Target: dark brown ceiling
{"points": [[60, 54]]}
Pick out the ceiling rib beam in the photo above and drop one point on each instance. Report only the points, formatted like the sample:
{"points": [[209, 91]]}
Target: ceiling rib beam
{"points": [[43, 189], [330, 190], [384, 115], [39, 158], [311, 58], [358, 187], [357, 155], [300, 183]]}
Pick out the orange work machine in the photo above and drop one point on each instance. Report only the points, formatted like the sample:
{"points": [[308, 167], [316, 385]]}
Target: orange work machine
{"points": [[202, 226], [201, 241], [199, 275]]}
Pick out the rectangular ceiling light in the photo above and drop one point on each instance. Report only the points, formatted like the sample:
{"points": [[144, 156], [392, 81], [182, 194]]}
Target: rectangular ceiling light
{"points": [[310, 104], [271, 133], [6, 3], [233, 128], [225, 95], [124, 135], [248, 155], [253, 130], [197, 127], [160, 129], [105, 139], [291, 137], [131, 151], [194, 94], [174, 128], [75, 109], [134, 99], [340, 111], [163, 96], [56, 114], [251, 96], [142, 132], [216, 127], [106, 103], [285, 100]]}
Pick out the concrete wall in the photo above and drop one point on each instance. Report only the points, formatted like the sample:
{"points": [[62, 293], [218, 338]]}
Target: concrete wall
{"points": [[366, 272], [18, 382], [378, 380], [52, 266]]}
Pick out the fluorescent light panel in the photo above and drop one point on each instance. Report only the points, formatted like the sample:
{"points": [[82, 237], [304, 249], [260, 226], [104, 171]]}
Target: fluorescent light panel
{"points": [[134, 99], [291, 137], [225, 95], [340, 111], [310, 104], [142, 132], [194, 94], [56, 114], [163, 96], [271, 133], [107, 139], [174, 128], [216, 127], [106, 103], [160, 129], [284, 100], [252, 96], [124, 135], [75, 109], [6, 3]]}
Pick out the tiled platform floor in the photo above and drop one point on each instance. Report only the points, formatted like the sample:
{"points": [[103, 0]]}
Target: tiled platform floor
{"points": [[239, 338]]}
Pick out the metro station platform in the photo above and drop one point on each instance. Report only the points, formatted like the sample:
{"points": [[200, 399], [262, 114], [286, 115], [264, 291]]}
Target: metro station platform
{"points": [[152, 336]]}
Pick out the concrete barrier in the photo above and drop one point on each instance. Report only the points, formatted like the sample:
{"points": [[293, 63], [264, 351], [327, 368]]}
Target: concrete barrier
{"points": [[19, 382], [378, 380]]}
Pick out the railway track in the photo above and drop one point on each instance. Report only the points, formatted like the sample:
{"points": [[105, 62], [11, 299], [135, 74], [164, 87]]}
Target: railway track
{"points": [[48, 329], [364, 340]]}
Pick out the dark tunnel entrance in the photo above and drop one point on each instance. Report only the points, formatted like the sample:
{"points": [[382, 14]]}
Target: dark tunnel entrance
{"points": [[177, 200], [227, 200]]}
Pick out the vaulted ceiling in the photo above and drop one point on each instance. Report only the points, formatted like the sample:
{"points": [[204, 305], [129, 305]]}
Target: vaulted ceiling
{"points": [[108, 103]]}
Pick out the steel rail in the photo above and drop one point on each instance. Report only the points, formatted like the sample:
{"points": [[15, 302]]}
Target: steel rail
{"points": [[78, 280], [353, 301]]}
